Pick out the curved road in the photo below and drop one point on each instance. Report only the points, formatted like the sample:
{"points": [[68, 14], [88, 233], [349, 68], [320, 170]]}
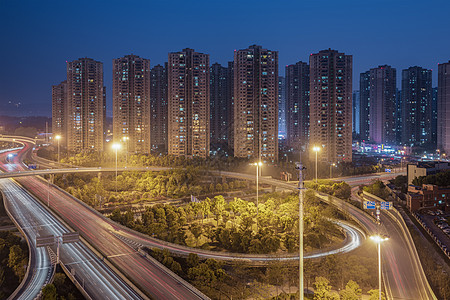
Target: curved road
{"points": [[405, 279], [158, 283], [99, 281]]}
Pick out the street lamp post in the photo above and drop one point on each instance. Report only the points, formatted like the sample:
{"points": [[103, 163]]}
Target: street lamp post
{"points": [[379, 239], [116, 147], [126, 138], [257, 164], [316, 149], [58, 137], [300, 229], [331, 170]]}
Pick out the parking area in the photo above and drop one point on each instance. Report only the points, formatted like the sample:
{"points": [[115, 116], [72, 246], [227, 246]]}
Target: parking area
{"points": [[436, 223]]}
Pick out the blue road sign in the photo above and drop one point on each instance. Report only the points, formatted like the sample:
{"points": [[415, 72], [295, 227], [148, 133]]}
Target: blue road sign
{"points": [[388, 170], [369, 205], [386, 205]]}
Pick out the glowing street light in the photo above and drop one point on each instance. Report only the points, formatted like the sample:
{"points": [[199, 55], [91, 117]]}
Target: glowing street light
{"points": [[126, 139], [316, 149], [116, 147], [57, 138], [331, 170], [257, 164], [379, 239]]}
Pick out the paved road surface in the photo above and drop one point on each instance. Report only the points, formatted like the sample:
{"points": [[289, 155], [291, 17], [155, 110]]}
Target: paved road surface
{"points": [[151, 278]]}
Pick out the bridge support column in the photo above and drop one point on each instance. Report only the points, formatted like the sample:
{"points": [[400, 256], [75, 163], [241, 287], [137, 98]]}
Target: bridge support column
{"points": [[274, 188], [99, 176], [51, 178]]}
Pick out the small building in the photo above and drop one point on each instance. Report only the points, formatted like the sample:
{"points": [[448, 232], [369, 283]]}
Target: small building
{"points": [[428, 196], [425, 168]]}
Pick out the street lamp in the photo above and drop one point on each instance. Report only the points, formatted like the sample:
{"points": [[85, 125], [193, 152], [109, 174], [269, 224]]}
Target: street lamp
{"points": [[57, 138], [331, 170], [258, 164], [126, 138], [316, 149], [116, 147], [300, 168], [379, 239]]}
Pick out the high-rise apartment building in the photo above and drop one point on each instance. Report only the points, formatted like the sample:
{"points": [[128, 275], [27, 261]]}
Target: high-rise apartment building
{"points": [[158, 103], [86, 105], [256, 103], [230, 106], [356, 100], [281, 106], [364, 105], [434, 115], [131, 103], [219, 107], [443, 108], [297, 105], [59, 111], [398, 116], [381, 100], [188, 111], [416, 101], [331, 105]]}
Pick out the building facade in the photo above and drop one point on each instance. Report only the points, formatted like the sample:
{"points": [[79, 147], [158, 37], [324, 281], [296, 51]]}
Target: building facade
{"points": [[428, 196], [434, 115], [86, 105], [131, 103], [364, 112], [331, 105], [188, 104], [59, 111], [355, 114], [158, 103], [230, 106], [256, 103], [382, 92], [219, 107], [297, 105], [281, 107], [398, 116], [443, 108], [416, 101]]}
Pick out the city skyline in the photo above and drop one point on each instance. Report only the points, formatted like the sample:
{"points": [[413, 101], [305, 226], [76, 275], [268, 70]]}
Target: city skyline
{"points": [[34, 29]]}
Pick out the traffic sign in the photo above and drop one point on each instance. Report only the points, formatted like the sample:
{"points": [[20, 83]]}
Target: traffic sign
{"points": [[386, 205], [43, 241], [369, 205], [71, 237], [388, 170]]}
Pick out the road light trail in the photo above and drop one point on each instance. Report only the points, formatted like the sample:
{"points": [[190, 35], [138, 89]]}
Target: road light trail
{"points": [[155, 281], [35, 220]]}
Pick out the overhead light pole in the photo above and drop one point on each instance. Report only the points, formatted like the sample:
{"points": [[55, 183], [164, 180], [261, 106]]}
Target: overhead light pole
{"points": [[57, 138], [316, 149], [116, 147], [257, 164], [331, 169], [300, 168], [126, 139], [379, 239]]}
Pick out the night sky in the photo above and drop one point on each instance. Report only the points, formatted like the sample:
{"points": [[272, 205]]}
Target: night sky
{"points": [[38, 37]]}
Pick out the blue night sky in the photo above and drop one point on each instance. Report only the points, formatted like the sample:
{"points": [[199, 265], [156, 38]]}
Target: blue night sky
{"points": [[38, 37]]}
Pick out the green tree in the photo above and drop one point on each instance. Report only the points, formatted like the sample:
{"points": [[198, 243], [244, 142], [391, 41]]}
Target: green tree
{"points": [[351, 291], [192, 260], [322, 289], [17, 261], [196, 231], [49, 292], [374, 295]]}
